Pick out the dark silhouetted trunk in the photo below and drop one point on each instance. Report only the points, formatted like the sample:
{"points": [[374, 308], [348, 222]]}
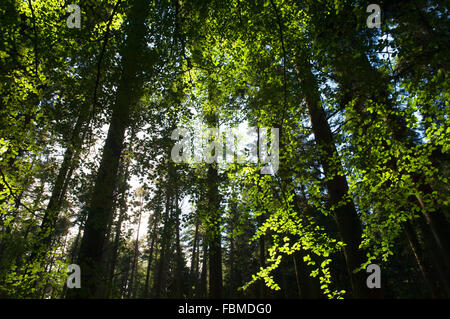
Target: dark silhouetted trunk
{"points": [[179, 257], [93, 276], [429, 278], [159, 286], [213, 210], [203, 287], [193, 273], [133, 289], [347, 219], [214, 236], [150, 254], [45, 234]]}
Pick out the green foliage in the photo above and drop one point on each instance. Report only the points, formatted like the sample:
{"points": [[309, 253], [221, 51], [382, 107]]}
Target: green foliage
{"points": [[384, 94]]}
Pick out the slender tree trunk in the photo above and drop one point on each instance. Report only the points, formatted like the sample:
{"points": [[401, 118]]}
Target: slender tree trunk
{"points": [[309, 286], [297, 278], [232, 270], [150, 254], [124, 281], [433, 251], [420, 258], [42, 242], [194, 263], [262, 262], [134, 269], [179, 257], [213, 210], [60, 187], [159, 286], [197, 265], [76, 244], [122, 191], [260, 219], [108, 250], [115, 247], [203, 287], [215, 248]]}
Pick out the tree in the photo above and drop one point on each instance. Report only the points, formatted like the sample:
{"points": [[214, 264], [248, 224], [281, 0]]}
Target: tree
{"points": [[100, 207]]}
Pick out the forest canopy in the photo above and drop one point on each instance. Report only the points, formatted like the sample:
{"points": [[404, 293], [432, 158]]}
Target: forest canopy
{"points": [[224, 149]]}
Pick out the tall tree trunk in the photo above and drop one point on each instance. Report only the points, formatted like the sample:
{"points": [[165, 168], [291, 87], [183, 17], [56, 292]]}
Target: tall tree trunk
{"points": [[214, 236], [232, 269], [197, 267], [213, 210], [159, 286], [179, 257], [193, 273], [430, 247], [46, 230], [134, 269], [150, 254], [122, 191], [297, 278], [203, 287], [260, 220], [115, 247], [418, 253], [262, 260], [347, 219], [128, 92]]}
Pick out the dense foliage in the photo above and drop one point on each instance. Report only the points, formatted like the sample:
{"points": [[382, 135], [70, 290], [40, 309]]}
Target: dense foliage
{"points": [[88, 176]]}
